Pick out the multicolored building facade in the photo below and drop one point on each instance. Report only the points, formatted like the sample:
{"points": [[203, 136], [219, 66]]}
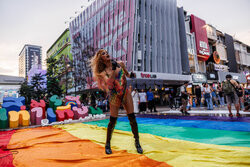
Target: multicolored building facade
{"points": [[143, 33], [205, 44]]}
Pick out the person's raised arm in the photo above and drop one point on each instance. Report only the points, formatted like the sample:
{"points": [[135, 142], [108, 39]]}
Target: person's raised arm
{"points": [[121, 63]]}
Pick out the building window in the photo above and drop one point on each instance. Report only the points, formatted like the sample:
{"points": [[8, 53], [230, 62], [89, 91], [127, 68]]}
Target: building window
{"points": [[139, 38]]}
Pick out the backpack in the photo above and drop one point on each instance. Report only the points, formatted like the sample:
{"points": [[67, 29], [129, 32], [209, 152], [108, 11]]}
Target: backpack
{"points": [[227, 87]]}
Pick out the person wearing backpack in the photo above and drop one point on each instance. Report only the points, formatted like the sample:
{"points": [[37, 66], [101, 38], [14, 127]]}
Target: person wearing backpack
{"points": [[229, 87], [241, 94]]}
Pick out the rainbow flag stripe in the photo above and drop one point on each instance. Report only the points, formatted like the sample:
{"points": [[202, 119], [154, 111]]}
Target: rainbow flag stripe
{"points": [[166, 142]]}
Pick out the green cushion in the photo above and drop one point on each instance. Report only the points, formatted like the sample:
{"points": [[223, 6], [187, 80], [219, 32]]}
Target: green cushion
{"points": [[3, 119], [94, 111], [54, 102]]}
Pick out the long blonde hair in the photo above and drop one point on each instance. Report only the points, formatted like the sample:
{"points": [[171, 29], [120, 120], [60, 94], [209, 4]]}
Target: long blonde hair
{"points": [[97, 67]]}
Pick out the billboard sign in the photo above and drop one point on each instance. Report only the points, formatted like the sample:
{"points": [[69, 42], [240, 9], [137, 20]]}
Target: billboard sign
{"points": [[199, 78], [34, 56], [202, 46]]}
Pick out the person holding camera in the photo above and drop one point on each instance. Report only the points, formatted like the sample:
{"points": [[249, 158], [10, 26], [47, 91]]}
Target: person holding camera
{"points": [[111, 77]]}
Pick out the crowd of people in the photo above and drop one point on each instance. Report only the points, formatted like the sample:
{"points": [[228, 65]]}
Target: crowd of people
{"points": [[217, 95], [206, 95], [143, 101]]}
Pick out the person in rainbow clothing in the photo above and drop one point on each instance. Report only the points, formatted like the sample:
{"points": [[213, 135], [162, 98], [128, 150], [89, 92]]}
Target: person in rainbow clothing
{"points": [[111, 78]]}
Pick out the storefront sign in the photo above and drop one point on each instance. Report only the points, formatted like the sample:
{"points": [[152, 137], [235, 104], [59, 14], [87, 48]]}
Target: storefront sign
{"points": [[161, 76], [235, 77], [199, 28], [219, 67], [212, 76], [148, 75], [199, 78]]}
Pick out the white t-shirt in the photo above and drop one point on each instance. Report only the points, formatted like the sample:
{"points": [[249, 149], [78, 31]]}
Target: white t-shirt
{"points": [[135, 96], [183, 89], [207, 90], [142, 96]]}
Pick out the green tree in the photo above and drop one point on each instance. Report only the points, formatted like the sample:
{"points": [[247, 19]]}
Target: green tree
{"points": [[37, 83], [27, 92], [53, 87]]}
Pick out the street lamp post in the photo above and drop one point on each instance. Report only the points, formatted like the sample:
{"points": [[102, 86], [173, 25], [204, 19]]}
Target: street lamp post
{"points": [[67, 71], [66, 80], [74, 77]]}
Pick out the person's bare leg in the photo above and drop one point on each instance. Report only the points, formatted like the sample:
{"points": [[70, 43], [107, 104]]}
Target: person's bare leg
{"points": [[229, 109], [237, 107], [128, 106], [111, 126]]}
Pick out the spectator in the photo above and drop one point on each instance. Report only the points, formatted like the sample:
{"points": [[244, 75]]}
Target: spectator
{"points": [[184, 98], [165, 99], [100, 103], [172, 99], [229, 87], [208, 97], [151, 102], [135, 97], [214, 95], [105, 105], [130, 88], [143, 101], [93, 101], [203, 101], [198, 94], [221, 95], [241, 94]]}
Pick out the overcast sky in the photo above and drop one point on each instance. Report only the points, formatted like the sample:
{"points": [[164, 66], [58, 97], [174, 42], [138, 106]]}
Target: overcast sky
{"points": [[40, 22]]}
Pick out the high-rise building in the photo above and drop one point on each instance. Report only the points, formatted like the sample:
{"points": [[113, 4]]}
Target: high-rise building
{"points": [[146, 34], [30, 55]]}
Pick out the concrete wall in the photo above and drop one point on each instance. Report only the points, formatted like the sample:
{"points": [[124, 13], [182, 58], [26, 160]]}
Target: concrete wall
{"points": [[158, 49]]}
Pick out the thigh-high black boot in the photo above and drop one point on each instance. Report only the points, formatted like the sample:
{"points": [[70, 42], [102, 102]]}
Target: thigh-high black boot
{"points": [[110, 130], [134, 128]]}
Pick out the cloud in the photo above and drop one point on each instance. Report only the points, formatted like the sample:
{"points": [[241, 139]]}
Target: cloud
{"points": [[6, 71], [9, 58], [243, 36]]}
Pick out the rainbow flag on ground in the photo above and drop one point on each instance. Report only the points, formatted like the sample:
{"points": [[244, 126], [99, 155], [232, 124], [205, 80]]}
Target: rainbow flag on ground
{"points": [[167, 141]]}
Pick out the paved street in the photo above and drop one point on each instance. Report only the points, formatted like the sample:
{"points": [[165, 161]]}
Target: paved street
{"points": [[195, 111]]}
